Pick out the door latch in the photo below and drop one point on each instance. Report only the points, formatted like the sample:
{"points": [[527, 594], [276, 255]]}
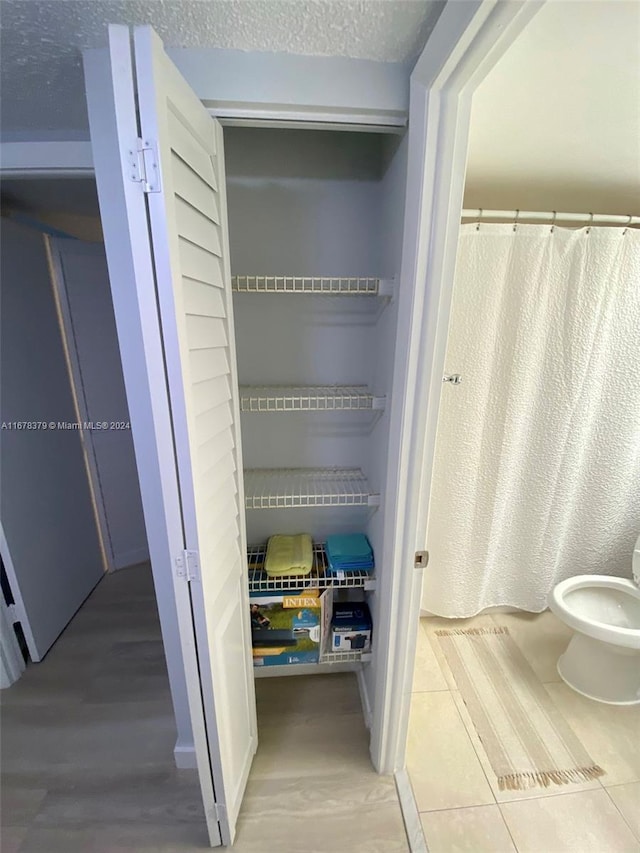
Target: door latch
{"points": [[421, 559]]}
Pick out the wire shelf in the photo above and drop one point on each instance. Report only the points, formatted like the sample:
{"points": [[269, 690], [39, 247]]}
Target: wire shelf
{"points": [[319, 578], [277, 488], [345, 657], [349, 663], [308, 398], [323, 285]]}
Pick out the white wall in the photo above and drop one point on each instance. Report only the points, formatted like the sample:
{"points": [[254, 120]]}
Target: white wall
{"points": [[303, 202], [556, 124]]}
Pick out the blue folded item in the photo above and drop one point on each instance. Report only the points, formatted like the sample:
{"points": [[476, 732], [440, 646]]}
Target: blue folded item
{"points": [[334, 569], [349, 552], [348, 546]]}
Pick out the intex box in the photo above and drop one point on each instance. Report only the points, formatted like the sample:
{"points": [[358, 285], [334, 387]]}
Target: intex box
{"points": [[286, 628], [351, 627]]}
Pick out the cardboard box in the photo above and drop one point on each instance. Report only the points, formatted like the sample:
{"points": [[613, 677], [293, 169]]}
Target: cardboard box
{"points": [[351, 627], [286, 628]]}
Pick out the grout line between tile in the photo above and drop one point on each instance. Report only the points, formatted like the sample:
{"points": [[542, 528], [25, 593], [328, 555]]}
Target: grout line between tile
{"points": [[473, 747], [459, 808], [635, 834], [508, 828], [558, 793], [432, 643]]}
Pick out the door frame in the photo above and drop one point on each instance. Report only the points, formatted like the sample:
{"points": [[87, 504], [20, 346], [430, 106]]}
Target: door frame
{"points": [[54, 248], [75, 376], [467, 41]]}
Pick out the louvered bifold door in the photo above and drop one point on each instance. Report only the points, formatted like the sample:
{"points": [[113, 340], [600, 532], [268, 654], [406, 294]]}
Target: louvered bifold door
{"points": [[184, 170]]}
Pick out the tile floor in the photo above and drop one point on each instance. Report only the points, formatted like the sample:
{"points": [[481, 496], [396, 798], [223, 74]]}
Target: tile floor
{"points": [[87, 751], [461, 808]]}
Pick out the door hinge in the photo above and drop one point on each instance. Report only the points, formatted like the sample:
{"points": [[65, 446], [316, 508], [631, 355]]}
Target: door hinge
{"points": [[218, 811], [421, 559], [188, 565], [143, 162]]}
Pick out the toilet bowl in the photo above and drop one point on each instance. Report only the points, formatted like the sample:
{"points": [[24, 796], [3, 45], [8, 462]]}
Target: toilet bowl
{"points": [[602, 660]]}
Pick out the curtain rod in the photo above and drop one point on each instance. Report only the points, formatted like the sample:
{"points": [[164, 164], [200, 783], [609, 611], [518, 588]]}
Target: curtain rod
{"points": [[550, 217]]}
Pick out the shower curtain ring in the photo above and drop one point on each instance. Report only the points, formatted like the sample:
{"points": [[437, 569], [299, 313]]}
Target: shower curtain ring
{"points": [[626, 228], [479, 218], [590, 224], [553, 221], [515, 221]]}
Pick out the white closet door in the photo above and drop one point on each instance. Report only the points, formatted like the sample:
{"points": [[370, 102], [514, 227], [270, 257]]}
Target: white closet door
{"points": [[174, 255], [191, 253]]}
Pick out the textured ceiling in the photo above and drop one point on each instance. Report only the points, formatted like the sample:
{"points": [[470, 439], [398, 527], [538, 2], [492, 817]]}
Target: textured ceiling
{"points": [[42, 40]]}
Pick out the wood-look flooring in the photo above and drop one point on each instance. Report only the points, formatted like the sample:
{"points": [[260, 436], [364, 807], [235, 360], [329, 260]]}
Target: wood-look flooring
{"points": [[87, 751]]}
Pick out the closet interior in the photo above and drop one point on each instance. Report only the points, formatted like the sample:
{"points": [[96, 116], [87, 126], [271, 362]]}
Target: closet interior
{"points": [[315, 231], [315, 224]]}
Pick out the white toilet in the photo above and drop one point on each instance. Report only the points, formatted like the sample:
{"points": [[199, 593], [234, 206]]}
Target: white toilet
{"points": [[602, 660]]}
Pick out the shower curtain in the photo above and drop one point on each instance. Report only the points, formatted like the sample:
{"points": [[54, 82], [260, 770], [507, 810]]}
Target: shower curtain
{"points": [[537, 464]]}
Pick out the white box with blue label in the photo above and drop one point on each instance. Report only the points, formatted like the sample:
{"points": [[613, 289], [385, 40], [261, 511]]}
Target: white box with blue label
{"points": [[350, 627]]}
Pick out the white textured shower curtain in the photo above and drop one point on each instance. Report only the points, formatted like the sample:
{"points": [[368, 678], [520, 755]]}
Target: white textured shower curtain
{"points": [[537, 466]]}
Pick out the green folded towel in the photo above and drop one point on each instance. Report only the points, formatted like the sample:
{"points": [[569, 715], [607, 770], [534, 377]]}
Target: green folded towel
{"points": [[289, 555]]}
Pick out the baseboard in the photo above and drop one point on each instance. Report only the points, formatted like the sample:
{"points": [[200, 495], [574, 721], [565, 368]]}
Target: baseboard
{"points": [[410, 814], [185, 756], [364, 697]]}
